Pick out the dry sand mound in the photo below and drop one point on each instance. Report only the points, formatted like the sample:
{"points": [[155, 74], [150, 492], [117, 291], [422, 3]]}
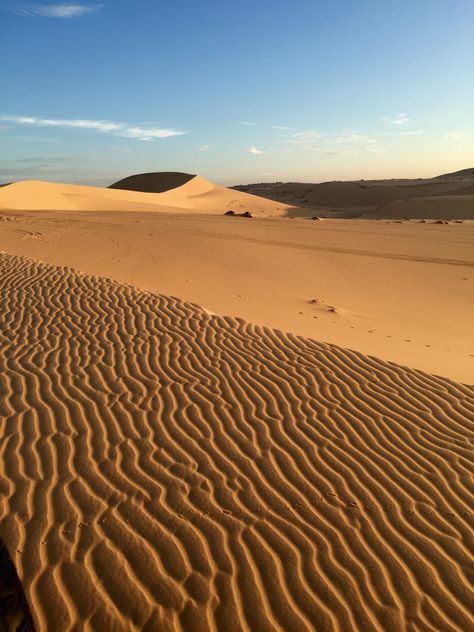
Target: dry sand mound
{"points": [[441, 198], [196, 195], [153, 182], [163, 469], [441, 207]]}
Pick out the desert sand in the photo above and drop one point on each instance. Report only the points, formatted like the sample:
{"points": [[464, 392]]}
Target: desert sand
{"points": [[197, 195], [219, 423], [400, 291], [446, 196]]}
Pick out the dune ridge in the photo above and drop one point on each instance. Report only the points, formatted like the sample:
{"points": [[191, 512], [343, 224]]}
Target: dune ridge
{"points": [[195, 195], [167, 469], [444, 197]]}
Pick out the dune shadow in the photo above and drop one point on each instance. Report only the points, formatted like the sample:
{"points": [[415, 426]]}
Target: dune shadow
{"points": [[158, 182], [15, 615]]}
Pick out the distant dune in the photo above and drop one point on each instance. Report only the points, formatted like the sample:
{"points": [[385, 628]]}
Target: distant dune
{"points": [[195, 195], [450, 196], [441, 207], [168, 470], [462, 173], [153, 182], [373, 199]]}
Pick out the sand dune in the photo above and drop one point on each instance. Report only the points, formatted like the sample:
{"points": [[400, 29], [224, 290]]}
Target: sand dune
{"points": [[439, 207], [196, 195], [400, 291], [178, 192], [166, 469], [435, 198], [157, 182]]}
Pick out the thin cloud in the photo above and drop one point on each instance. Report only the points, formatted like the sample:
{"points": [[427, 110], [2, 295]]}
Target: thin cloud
{"points": [[332, 144], [398, 119], [118, 129], [413, 133], [63, 10], [255, 151], [455, 135], [283, 128], [347, 138], [204, 148], [46, 160], [247, 123], [336, 152]]}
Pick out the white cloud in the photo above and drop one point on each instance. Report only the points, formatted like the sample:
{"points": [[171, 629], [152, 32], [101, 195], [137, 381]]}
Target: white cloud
{"points": [[333, 144], [398, 119], [255, 151], [62, 10], [308, 134], [119, 129], [283, 128], [307, 139], [455, 135], [247, 123], [204, 148]]}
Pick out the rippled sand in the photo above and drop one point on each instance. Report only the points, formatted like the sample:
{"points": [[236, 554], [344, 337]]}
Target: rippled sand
{"points": [[166, 469]]}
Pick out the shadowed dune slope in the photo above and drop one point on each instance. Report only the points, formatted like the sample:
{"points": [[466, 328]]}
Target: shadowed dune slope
{"points": [[166, 469], [437, 198], [195, 195], [462, 173], [440, 207], [14, 612], [153, 182]]}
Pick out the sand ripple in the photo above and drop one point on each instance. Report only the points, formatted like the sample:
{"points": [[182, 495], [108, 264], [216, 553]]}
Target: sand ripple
{"points": [[164, 469]]}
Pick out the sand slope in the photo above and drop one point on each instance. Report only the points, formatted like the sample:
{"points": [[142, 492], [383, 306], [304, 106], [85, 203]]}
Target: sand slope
{"points": [[399, 290], [439, 207], [164, 469], [444, 197], [196, 195]]}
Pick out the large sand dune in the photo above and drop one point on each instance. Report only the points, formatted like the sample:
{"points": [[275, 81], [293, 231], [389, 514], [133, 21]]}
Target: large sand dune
{"points": [[196, 195], [444, 197], [163, 469]]}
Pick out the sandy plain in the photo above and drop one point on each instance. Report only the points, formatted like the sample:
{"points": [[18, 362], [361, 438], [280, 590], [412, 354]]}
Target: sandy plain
{"points": [[208, 422]]}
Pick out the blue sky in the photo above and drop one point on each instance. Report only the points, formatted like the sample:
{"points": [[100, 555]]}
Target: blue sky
{"points": [[244, 91]]}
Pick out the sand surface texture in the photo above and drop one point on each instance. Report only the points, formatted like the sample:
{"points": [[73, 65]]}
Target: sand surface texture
{"points": [[164, 469], [403, 292]]}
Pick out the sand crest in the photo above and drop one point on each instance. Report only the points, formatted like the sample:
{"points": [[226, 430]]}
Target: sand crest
{"points": [[196, 194], [166, 469], [157, 182]]}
